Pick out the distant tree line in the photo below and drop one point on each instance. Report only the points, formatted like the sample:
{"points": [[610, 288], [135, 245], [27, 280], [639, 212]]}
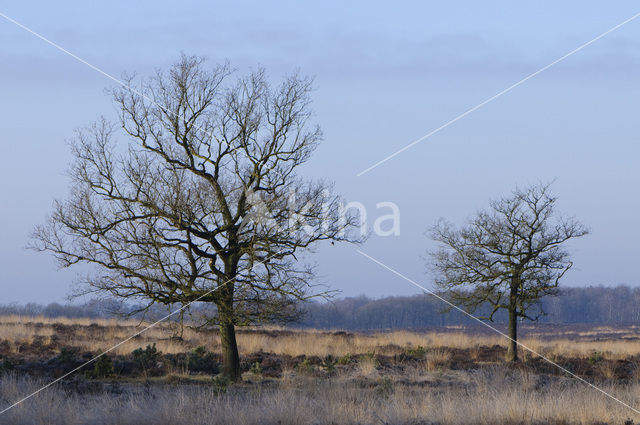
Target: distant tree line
{"points": [[92, 309], [594, 305]]}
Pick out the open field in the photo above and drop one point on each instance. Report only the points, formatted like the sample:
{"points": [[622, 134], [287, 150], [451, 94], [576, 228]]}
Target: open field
{"points": [[24, 335], [488, 396], [444, 376]]}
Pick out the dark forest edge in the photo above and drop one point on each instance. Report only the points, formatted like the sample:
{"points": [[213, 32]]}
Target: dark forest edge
{"points": [[592, 305]]}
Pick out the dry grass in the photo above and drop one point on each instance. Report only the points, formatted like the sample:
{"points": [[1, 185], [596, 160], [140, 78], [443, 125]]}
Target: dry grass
{"points": [[610, 349], [368, 366], [437, 360], [100, 334], [491, 396], [607, 369], [424, 390]]}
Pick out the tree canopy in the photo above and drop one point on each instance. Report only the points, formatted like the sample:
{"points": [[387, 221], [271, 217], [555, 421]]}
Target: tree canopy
{"points": [[203, 202], [508, 256]]}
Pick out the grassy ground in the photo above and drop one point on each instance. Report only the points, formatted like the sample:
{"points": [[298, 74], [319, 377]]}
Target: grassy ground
{"points": [[448, 376]]}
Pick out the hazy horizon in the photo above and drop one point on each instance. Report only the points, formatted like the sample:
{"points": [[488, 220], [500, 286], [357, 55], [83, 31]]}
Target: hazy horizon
{"points": [[383, 79]]}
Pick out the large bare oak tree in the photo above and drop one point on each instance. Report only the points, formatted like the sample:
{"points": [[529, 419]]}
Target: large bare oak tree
{"points": [[203, 201], [507, 257]]}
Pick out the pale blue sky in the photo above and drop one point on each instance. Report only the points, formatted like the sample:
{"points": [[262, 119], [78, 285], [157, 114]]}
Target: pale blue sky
{"points": [[385, 75]]}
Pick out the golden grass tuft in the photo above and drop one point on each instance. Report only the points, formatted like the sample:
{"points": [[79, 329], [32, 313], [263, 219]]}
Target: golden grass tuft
{"points": [[437, 359]]}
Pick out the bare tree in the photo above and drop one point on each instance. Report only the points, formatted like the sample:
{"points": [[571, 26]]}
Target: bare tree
{"points": [[203, 202], [507, 257]]}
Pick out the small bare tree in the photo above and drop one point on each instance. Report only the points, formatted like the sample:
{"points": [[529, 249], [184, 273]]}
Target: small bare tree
{"points": [[204, 202], [507, 258]]}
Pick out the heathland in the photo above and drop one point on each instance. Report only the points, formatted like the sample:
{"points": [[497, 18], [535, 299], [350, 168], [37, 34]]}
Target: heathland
{"points": [[449, 375]]}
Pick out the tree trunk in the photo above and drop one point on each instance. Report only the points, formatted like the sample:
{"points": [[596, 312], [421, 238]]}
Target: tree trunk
{"points": [[512, 352], [230, 357]]}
